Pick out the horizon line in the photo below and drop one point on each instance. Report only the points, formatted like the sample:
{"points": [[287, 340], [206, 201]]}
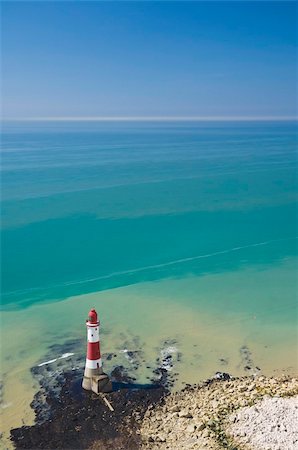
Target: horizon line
{"points": [[147, 118]]}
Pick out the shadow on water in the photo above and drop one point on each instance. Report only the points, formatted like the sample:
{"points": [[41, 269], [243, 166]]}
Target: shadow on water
{"points": [[118, 385], [78, 393]]}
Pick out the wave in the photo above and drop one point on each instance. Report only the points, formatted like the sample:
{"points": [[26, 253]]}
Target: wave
{"points": [[151, 267], [65, 355], [174, 262]]}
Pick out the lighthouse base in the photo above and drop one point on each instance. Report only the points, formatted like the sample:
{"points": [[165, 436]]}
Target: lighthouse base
{"points": [[97, 383]]}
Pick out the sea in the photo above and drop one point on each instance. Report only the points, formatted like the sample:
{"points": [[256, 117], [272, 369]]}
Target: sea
{"points": [[182, 235]]}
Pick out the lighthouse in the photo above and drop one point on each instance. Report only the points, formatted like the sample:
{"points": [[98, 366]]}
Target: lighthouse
{"points": [[94, 377]]}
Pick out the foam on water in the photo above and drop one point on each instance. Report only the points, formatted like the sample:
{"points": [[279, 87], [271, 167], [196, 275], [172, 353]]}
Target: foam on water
{"points": [[166, 355], [65, 355]]}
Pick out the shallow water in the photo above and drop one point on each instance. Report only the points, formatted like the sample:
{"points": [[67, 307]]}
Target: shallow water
{"points": [[181, 235]]}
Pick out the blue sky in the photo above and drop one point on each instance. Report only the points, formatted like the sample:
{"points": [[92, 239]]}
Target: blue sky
{"points": [[148, 59]]}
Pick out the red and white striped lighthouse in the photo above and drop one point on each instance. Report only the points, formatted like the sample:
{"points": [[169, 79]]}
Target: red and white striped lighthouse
{"points": [[93, 359], [94, 377]]}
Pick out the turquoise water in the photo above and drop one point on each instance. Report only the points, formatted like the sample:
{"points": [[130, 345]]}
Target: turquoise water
{"points": [[87, 207], [182, 231]]}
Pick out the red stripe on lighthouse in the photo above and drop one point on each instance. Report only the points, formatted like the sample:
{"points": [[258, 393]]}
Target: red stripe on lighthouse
{"points": [[93, 351]]}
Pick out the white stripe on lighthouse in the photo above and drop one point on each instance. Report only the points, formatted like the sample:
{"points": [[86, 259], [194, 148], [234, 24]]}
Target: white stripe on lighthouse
{"points": [[93, 334], [93, 363]]}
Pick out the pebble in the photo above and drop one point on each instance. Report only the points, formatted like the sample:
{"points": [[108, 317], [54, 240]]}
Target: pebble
{"points": [[185, 414], [190, 428], [200, 415], [174, 408], [201, 426], [274, 423]]}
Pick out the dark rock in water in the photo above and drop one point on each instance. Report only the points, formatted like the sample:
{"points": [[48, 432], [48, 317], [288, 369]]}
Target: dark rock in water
{"points": [[222, 376], [246, 358], [120, 374], [165, 362], [70, 346], [179, 357], [247, 361], [67, 417], [218, 376], [134, 357], [162, 377], [41, 407], [50, 373], [78, 419]]}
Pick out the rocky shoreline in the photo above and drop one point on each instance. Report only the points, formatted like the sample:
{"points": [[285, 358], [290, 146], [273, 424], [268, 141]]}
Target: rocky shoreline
{"points": [[67, 417], [250, 413], [211, 415], [227, 413]]}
